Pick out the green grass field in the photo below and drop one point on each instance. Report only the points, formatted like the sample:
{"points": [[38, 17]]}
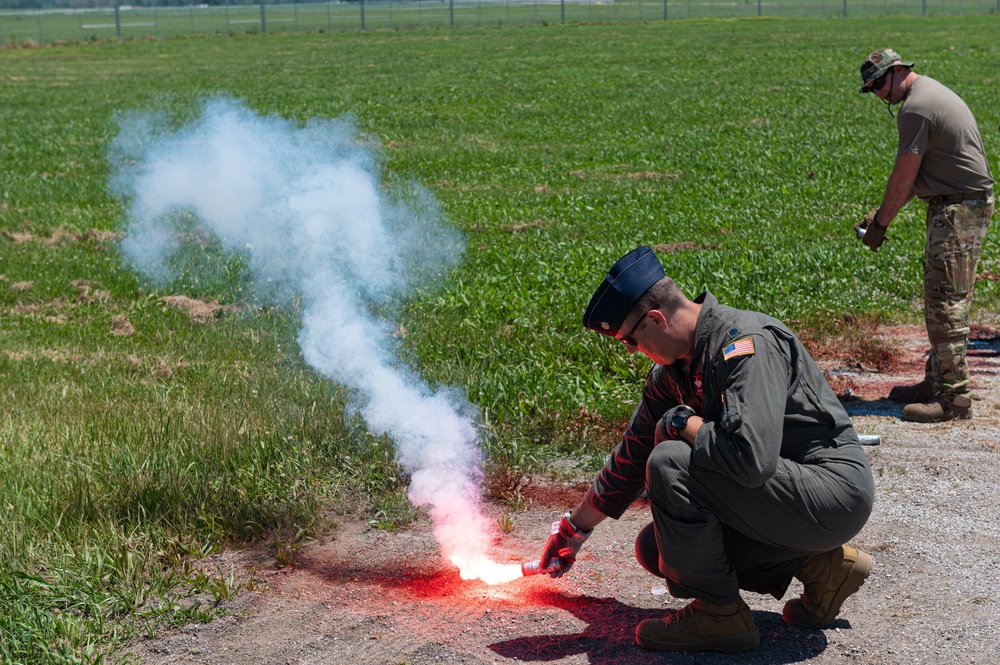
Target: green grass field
{"points": [[127, 453]]}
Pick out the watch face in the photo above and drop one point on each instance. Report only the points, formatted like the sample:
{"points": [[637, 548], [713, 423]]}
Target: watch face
{"points": [[679, 421]]}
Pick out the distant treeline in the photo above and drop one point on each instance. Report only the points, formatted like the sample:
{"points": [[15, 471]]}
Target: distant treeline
{"points": [[90, 4]]}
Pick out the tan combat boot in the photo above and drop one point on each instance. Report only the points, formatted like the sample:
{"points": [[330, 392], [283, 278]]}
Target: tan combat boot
{"points": [[701, 626], [939, 410], [918, 393], [828, 580]]}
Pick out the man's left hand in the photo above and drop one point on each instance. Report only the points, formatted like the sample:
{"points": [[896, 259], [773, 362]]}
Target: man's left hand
{"points": [[664, 430]]}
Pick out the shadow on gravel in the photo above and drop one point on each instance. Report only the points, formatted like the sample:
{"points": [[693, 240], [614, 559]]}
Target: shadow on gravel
{"points": [[609, 638], [984, 348], [873, 407]]}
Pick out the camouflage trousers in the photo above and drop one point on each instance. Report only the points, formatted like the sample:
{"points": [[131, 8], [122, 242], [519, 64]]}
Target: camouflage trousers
{"points": [[955, 233]]}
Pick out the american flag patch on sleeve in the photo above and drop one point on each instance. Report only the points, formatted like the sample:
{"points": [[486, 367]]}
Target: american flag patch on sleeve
{"points": [[741, 347]]}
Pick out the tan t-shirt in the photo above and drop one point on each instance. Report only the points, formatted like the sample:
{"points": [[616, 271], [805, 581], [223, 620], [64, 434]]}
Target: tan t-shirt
{"points": [[934, 122]]}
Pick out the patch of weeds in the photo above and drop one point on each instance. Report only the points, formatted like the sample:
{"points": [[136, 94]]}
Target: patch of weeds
{"points": [[286, 554], [517, 503], [594, 462], [590, 433], [504, 482], [392, 510], [187, 601], [178, 551], [505, 522], [381, 521], [286, 549], [508, 465], [221, 588], [172, 612], [854, 340], [374, 471]]}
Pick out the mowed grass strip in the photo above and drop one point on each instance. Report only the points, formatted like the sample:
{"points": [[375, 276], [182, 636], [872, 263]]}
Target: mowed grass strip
{"points": [[29, 27], [143, 434]]}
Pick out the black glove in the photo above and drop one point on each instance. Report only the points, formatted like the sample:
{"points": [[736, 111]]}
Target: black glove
{"points": [[871, 233], [565, 541], [667, 428]]}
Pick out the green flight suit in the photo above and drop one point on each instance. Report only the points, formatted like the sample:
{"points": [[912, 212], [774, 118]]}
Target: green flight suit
{"points": [[775, 474]]}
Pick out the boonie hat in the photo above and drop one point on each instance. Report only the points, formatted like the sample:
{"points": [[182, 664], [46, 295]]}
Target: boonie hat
{"points": [[627, 281], [878, 63]]}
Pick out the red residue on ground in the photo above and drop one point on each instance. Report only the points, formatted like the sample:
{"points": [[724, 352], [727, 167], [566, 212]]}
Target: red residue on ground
{"points": [[893, 355]]}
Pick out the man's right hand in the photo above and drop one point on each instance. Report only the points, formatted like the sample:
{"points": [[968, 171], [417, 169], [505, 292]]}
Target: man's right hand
{"points": [[565, 541], [871, 233]]}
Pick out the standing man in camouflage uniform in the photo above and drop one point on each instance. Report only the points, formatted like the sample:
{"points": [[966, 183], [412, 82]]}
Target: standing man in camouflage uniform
{"points": [[940, 160], [753, 471]]}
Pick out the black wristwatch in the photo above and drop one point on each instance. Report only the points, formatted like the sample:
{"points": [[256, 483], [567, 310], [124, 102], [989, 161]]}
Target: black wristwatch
{"points": [[679, 421]]}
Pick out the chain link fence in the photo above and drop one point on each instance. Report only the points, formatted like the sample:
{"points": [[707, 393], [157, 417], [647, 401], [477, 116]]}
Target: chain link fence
{"points": [[126, 22]]}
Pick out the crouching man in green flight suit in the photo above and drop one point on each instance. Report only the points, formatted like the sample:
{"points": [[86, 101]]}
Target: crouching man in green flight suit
{"points": [[753, 471]]}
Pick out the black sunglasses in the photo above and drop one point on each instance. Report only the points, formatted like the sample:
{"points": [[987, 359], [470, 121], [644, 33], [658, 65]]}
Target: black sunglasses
{"points": [[627, 339], [879, 82]]}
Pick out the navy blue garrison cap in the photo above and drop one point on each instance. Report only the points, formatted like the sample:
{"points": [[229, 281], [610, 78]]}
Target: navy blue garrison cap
{"points": [[627, 281]]}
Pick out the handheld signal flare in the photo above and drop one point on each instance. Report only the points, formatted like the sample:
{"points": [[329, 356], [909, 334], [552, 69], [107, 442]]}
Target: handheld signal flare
{"points": [[535, 567]]}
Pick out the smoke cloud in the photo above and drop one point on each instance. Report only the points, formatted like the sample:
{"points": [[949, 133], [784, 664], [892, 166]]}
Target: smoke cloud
{"points": [[303, 205]]}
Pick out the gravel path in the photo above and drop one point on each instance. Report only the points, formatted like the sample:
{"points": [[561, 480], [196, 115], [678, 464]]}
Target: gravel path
{"points": [[367, 596]]}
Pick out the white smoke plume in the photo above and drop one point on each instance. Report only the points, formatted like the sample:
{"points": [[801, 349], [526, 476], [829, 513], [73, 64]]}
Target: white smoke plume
{"points": [[303, 205]]}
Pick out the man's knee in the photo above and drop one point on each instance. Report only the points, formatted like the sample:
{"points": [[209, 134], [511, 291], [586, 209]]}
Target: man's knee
{"points": [[647, 553], [667, 467], [675, 488]]}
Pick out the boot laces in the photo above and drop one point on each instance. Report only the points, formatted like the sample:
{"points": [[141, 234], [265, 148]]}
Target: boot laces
{"points": [[687, 612]]}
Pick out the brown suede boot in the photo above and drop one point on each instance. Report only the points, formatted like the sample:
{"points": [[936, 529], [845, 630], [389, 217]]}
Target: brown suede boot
{"points": [[915, 394], [828, 580], [701, 626], [939, 410]]}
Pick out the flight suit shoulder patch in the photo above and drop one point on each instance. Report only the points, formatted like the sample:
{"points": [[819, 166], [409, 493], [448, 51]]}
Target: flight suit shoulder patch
{"points": [[741, 347]]}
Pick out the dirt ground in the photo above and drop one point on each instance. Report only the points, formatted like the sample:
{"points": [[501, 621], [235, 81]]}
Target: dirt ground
{"points": [[362, 595]]}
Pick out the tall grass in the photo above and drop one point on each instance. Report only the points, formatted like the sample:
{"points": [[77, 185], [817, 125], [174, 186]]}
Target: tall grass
{"points": [[138, 438]]}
